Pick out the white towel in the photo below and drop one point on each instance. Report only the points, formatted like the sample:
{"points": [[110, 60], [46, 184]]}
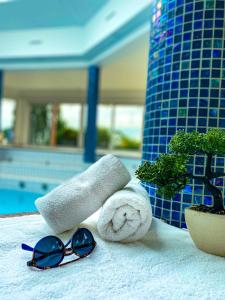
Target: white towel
{"points": [[73, 201], [127, 215]]}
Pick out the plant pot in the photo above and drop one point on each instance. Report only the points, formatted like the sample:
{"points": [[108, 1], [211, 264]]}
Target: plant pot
{"points": [[207, 231]]}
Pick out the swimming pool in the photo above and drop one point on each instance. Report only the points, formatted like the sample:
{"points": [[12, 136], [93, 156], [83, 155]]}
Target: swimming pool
{"points": [[12, 201], [26, 174]]}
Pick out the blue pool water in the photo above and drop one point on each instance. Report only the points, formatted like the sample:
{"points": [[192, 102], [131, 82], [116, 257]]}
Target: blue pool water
{"points": [[12, 201]]}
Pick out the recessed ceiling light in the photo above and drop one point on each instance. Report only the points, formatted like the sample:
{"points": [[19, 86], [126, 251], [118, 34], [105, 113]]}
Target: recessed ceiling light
{"points": [[110, 15], [35, 42]]}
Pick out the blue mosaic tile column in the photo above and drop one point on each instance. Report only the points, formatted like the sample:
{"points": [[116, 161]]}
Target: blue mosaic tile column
{"points": [[92, 103], [1, 96], [185, 90]]}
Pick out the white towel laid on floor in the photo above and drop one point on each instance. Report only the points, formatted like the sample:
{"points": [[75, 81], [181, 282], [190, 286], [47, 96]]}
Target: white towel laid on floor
{"points": [[127, 215], [164, 265], [75, 200]]}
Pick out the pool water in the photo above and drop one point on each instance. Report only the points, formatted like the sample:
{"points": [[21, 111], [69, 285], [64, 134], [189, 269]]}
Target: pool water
{"points": [[12, 201]]}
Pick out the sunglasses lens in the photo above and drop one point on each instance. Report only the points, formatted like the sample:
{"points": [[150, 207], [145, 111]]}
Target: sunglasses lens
{"points": [[49, 252], [83, 242]]}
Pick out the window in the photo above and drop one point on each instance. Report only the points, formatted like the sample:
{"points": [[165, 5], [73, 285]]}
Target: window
{"points": [[69, 125], [104, 124], [8, 119], [40, 124], [118, 126], [128, 127], [56, 124]]}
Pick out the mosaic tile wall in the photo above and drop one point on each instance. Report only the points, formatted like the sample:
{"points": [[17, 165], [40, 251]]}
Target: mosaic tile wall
{"points": [[185, 90]]}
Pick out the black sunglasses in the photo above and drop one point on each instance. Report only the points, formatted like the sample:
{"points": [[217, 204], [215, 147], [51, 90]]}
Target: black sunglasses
{"points": [[50, 251]]}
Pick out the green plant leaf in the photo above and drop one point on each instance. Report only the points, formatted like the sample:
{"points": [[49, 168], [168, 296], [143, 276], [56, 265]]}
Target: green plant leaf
{"points": [[186, 143], [168, 173], [214, 141]]}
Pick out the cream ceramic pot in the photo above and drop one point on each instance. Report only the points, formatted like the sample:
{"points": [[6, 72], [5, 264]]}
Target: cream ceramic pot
{"points": [[207, 231]]}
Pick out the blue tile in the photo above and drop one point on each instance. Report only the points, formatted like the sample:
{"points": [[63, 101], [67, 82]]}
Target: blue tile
{"points": [[187, 75]]}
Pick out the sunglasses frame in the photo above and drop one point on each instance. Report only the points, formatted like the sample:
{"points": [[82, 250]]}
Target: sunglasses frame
{"points": [[65, 251]]}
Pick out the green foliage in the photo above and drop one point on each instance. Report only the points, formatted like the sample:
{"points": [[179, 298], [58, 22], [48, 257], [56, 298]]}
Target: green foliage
{"points": [[40, 124], [103, 139], [186, 143], [8, 134], [125, 142], [168, 173], [212, 142], [120, 140], [66, 136]]}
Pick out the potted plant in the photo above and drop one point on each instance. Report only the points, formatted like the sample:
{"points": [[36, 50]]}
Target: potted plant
{"points": [[170, 174]]}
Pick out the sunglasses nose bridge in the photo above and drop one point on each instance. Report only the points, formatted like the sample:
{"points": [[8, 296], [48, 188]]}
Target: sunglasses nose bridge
{"points": [[68, 251]]}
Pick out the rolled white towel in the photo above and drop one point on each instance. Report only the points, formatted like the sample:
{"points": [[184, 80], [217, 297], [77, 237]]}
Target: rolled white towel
{"points": [[73, 201], [126, 216]]}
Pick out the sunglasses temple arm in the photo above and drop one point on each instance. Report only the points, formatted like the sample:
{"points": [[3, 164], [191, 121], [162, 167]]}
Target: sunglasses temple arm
{"points": [[27, 248]]}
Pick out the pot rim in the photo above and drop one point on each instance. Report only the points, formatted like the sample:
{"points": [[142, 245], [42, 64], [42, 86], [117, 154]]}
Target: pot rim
{"points": [[205, 213]]}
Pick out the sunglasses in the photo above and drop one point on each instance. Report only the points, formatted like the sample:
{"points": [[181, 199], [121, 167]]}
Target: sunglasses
{"points": [[50, 251]]}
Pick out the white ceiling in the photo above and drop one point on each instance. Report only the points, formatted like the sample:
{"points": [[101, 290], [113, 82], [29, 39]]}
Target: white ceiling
{"points": [[36, 14], [47, 34]]}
